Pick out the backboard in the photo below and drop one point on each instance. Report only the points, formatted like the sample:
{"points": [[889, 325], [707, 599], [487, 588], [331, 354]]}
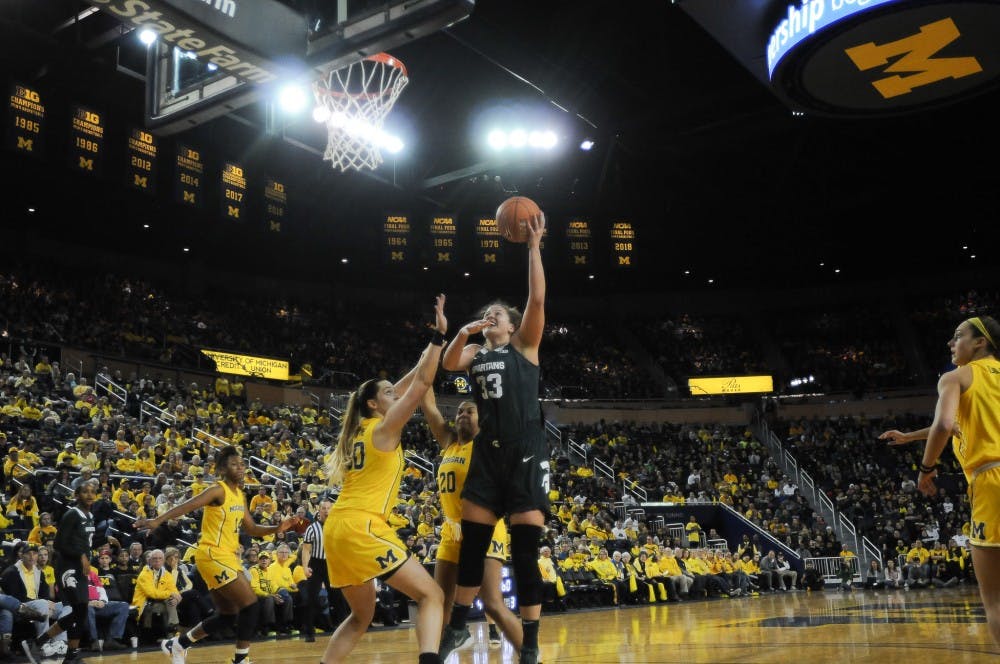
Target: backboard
{"points": [[210, 57]]}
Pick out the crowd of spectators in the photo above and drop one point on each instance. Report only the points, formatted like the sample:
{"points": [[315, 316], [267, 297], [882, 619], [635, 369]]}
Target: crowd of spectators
{"points": [[843, 348]]}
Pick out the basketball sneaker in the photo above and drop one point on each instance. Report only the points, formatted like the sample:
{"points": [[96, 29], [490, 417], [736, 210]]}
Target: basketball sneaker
{"points": [[173, 649], [454, 639], [528, 656]]}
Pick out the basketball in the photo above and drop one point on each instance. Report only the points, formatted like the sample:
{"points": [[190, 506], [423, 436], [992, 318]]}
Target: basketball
{"points": [[513, 216]]}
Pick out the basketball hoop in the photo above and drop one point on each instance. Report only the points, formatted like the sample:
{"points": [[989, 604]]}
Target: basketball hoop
{"points": [[353, 102]]}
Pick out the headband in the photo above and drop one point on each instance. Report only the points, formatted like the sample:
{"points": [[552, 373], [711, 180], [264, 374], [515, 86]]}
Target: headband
{"points": [[975, 320]]}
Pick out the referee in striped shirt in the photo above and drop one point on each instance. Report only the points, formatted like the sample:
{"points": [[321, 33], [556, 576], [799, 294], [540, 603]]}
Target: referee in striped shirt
{"points": [[314, 566]]}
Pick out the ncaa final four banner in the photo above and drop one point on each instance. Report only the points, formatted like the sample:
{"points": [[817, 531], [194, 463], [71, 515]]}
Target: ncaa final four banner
{"points": [[489, 251], [26, 121], [444, 239], [396, 233]]}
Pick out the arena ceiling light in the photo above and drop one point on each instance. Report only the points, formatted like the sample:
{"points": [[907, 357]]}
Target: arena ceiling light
{"points": [[292, 98], [519, 138], [147, 36]]}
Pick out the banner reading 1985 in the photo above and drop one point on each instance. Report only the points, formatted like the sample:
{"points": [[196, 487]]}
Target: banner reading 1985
{"points": [[86, 140], [444, 234], [26, 121], [396, 231], [190, 174], [622, 244], [142, 151], [488, 241], [234, 191], [275, 205]]}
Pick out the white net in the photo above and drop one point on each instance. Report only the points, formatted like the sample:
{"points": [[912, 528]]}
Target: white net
{"points": [[354, 102]]}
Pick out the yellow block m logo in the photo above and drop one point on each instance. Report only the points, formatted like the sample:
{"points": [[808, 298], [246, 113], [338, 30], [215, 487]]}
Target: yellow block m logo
{"points": [[978, 530], [489, 258], [26, 144], [388, 559], [915, 59], [274, 226], [188, 196], [444, 257], [624, 260], [233, 212], [140, 181], [86, 164], [396, 256], [579, 260]]}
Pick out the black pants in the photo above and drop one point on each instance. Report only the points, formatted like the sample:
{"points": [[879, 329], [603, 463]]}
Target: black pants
{"points": [[337, 604]]}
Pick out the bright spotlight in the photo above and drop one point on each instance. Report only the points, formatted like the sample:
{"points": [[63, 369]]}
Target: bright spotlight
{"points": [[147, 36], [536, 139], [212, 66], [549, 139], [393, 144], [292, 98], [497, 139], [321, 114], [587, 144], [518, 138]]}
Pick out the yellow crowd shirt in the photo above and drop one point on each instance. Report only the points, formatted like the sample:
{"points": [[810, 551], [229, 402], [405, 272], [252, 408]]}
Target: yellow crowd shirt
{"points": [[979, 418], [371, 483]]}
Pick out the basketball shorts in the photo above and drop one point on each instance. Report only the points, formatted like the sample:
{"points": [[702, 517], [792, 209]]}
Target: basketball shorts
{"points": [[510, 477], [217, 567], [984, 496], [72, 584], [360, 547], [448, 549]]}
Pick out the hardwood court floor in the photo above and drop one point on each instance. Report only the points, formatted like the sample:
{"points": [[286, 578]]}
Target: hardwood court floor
{"points": [[816, 628]]}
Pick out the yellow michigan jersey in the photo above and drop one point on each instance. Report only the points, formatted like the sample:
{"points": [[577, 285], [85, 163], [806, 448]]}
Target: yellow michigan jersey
{"points": [[360, 544], [215, 557], [979, 418], [451, 479], [977, 448], [371, 483]]}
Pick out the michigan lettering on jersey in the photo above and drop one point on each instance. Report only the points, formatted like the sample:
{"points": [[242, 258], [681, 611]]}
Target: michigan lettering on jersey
{"points": [[388, 559]]}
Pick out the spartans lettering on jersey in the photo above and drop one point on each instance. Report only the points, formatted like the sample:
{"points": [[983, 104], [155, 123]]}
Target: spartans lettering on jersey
{"points": [[488, 366]]}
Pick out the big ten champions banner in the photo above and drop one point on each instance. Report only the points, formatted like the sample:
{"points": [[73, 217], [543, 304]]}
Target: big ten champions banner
{"points": [[488, 241], [190, 176], [234, 192], [143, 148], [86, 142], [622, 244], [396, 243], [25, 121], [444, 235], [275, 205], [580, 242]]}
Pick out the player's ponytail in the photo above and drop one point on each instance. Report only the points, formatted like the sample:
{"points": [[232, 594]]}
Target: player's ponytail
{"points": [[350, 424]]}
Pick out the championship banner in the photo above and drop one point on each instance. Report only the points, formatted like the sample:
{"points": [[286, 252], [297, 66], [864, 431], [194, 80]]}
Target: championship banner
{"points": [[579, 239], [622, 244], [26, 121], [276, 205], [396, 231], [234, 192], [189, 175], [142, 151], [248, 365], [444, 235], [488, 247], [86, 144], [730, 385]]}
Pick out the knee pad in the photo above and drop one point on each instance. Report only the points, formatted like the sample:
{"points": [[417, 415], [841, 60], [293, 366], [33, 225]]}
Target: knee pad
{"points": [[74, 622], [219, 622], [524, 559], [247, 622], [472, 553]]}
